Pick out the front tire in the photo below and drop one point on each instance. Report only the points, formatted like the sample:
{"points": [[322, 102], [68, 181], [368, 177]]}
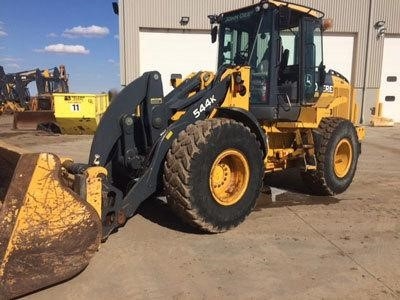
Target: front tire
{"points": [[213, 174], [336, 150]]}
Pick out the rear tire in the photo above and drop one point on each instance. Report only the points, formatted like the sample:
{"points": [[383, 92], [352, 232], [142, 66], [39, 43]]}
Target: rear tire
{"points": [[337, 150], [213, 174]]}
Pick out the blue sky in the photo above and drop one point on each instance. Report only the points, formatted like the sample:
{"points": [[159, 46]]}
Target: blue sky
{"points": [[82, 35]]}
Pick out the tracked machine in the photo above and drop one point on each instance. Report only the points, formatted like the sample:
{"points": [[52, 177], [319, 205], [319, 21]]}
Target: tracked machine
{"points": [[206, 146]]}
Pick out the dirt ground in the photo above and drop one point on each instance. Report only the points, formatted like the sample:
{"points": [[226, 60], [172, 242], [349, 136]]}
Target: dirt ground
{"points": [[292, 246]]}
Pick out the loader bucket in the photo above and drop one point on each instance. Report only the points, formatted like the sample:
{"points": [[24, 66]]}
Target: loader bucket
{"points": [[31, 119], [47, 233]]}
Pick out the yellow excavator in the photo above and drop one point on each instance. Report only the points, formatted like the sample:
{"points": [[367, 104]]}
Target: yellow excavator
{"points": [[206, 146]]}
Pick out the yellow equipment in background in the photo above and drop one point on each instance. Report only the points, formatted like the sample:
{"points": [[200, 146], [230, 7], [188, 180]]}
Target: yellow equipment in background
{"points": [[377, 119], [79, 113], [54, 108]]}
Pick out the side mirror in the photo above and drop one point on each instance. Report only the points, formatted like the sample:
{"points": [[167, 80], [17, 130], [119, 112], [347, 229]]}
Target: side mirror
{"points": [[115, 8], [214, 33]]}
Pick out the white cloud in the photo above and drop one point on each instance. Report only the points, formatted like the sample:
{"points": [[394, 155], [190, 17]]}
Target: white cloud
{"points": [[52, 35], [10, 59], [62, 48], [113, 62], [90, 31], [13, 66], [2, 32], [10, 63], [116, 36]]}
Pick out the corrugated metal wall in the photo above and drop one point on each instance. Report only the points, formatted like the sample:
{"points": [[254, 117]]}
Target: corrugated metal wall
{"points": [[162, 14], [350, 17], [388, 11]]}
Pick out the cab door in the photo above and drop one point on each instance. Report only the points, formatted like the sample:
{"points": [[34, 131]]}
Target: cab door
{"points": [[311, 62]]}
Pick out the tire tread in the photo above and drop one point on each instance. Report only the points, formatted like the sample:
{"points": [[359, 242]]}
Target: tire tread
{"points": [[316, 180], [177, 175]]}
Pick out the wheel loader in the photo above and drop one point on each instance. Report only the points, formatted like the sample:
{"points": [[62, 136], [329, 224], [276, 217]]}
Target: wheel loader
{"points": [[206, 146]]}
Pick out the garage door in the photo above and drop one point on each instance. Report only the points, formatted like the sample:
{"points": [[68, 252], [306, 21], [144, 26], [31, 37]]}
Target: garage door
{"points": [[390, 80], [176, 52], [338, 54]]}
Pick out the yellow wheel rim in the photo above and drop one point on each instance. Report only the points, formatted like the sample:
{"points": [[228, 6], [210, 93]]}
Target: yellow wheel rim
{"points": [[342, 158], [229, 177]]}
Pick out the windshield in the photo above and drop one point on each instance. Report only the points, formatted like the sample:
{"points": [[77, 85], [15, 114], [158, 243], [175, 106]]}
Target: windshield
{"points": [[245, 39]]}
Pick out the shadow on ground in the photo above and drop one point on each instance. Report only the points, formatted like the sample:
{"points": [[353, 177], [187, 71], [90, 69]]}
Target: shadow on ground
{"points": [[289, 180], [291, 199], [287, 190], [291, 191], [158, 211]]}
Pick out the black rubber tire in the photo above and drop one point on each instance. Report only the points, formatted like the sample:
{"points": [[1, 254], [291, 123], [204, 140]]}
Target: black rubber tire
{"points": [[187, 171], [49, 127], [330, 132]]}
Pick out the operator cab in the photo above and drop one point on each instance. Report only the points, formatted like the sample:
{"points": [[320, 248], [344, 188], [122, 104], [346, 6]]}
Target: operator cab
{"points": [[282, 43]]}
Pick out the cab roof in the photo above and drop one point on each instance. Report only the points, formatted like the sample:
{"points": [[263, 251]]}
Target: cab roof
{"points": [[301, 8], [296, 7]]}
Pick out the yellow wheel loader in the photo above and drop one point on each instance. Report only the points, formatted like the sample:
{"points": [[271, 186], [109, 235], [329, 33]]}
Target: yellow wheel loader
{"points": [[206, 146], [40, 113]]}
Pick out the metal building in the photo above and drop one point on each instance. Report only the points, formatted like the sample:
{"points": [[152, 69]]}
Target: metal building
{"points": [[172, 36]]}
